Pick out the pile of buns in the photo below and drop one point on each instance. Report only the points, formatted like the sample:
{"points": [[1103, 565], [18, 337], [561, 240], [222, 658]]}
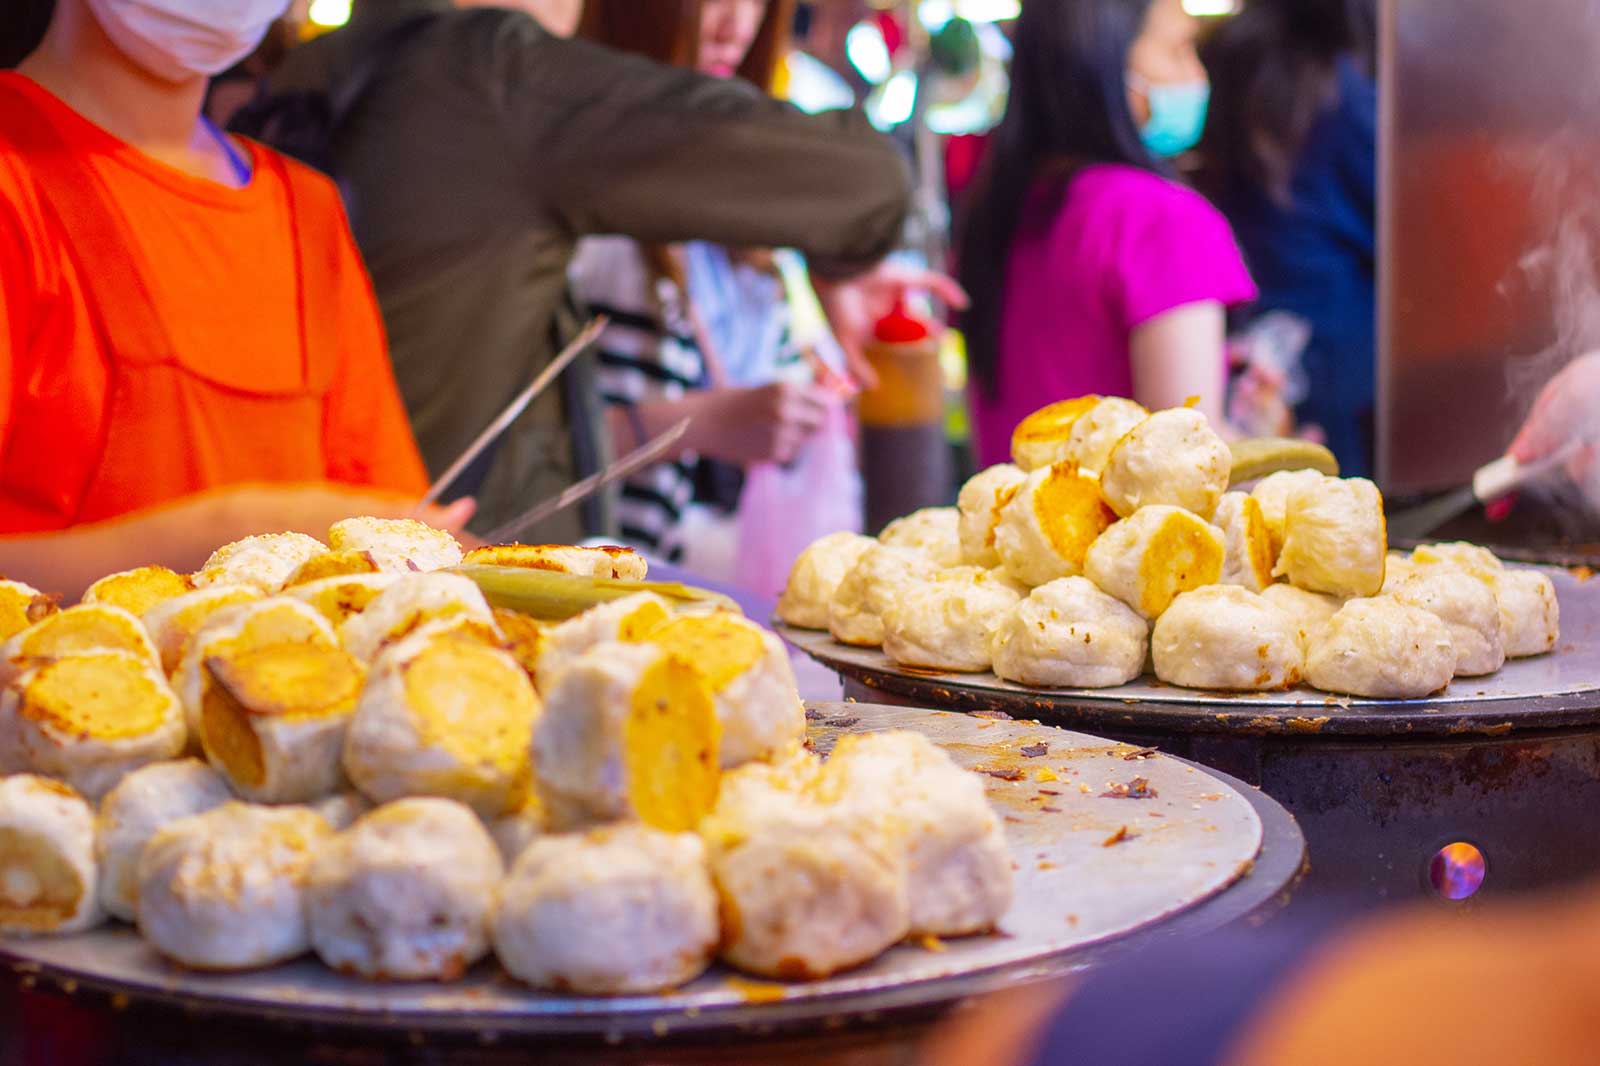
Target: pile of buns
{"points": [[1112, 547], [342, 748]]}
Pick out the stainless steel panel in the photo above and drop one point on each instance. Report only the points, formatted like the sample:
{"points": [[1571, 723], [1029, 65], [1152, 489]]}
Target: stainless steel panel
{"points": [[1489, 223]]}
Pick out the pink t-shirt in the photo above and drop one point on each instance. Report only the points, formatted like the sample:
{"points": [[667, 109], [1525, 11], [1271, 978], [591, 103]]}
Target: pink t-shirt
{"points": [[1092, 260]]}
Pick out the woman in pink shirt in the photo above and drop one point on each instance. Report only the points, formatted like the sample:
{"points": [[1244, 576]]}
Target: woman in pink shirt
{"points": [[1090, 269]]}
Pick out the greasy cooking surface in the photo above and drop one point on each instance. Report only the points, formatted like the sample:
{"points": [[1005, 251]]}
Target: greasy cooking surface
{"points": [[1562, 688], [1107, 838]]}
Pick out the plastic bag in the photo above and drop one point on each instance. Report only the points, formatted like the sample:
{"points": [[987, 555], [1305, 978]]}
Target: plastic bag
{"points": [[1267, 378], [784, 508]]}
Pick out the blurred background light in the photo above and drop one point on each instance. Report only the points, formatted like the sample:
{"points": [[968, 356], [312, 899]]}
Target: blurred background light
{"points": [[933, 14], [1205, 8], [893, 102], [868, 52], [988, 10], [813, 86], [329, 13]]}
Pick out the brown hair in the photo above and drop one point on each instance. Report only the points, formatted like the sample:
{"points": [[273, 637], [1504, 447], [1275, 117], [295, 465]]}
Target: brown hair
{"points": [[668, 31], [22, 26]]}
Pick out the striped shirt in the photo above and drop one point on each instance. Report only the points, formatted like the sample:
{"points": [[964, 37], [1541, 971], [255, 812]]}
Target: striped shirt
{"points": [[646, 352], [650, 351]]}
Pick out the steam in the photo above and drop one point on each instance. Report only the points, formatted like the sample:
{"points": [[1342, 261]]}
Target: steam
{"points": [[1562, 273], [1563, 267]]}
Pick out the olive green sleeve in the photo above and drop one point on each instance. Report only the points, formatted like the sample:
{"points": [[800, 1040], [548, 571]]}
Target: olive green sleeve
{"points": [[618, 144]]}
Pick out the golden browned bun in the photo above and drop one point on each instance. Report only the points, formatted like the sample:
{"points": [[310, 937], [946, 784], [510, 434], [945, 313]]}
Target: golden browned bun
{"points": [[1045, 529], [397, 545], [84, 628], [444, 714], [1147, 560], [136, 591], [622, 564], [345, 563], [1246, 540], [173, 623], [629, 732], [1095, 434], [1272, 494], [90, 719], [21, 606], [1041, 438], [273, 718]]}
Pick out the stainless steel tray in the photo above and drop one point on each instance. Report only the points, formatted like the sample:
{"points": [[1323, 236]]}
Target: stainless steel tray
{"points": [[1194, 838], [1554, 690]]}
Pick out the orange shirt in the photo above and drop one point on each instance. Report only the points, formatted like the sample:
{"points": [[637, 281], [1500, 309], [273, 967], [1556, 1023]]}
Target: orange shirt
{"points": [[231, 336]]}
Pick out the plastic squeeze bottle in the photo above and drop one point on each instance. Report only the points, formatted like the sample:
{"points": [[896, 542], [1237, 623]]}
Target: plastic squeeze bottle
{"points": [[905, 460]]}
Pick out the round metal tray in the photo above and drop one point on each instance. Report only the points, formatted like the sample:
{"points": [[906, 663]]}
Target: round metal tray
{"points": [[1091, 868], [1552, 691]]}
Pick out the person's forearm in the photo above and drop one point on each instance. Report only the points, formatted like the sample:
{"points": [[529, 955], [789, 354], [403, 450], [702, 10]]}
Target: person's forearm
{"points": [[1179, 356], [65, 563], [181, 534], [651, 418], [1159, 383]]}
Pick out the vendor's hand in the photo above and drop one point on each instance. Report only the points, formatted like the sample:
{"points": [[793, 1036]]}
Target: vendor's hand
{"points": [[1567, 412], [854, 307], [760, 425], [182, 533], [452, 516]]}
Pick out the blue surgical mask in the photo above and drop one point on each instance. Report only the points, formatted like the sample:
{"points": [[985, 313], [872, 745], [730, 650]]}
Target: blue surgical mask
{"points": [[1177, 115]]}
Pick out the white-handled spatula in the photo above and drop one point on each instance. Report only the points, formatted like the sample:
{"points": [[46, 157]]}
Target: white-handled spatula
{"points": [[1490, 482]]}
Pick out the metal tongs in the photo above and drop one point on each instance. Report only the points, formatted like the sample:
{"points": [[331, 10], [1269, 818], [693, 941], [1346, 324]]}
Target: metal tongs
{"points": [[518, 404], [648, 452]]}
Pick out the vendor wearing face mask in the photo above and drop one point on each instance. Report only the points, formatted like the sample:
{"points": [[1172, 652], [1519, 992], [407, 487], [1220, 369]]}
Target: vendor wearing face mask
{"points": [[189, 347], [1090, 269]]}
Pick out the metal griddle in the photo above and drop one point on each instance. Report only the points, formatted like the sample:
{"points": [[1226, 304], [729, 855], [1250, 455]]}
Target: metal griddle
{"points": [[1558, 690], [1507, 763], [1200, 835]]}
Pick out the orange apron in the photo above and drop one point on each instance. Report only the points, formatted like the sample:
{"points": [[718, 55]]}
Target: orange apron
{"points": [[101, 437]]}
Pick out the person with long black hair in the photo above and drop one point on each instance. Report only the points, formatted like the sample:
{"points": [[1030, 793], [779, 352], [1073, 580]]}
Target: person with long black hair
{"points": [[1290, 155], [1091, 270]]}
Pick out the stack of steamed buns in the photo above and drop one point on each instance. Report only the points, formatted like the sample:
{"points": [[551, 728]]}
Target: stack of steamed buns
{"points": [[342, 748], [1112, 546]]}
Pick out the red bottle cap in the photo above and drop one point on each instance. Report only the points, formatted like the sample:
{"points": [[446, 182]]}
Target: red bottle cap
{"points": [[901, 327]]}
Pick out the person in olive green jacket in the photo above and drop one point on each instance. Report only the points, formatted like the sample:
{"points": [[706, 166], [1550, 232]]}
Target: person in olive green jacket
{"points": [[487, 144]]}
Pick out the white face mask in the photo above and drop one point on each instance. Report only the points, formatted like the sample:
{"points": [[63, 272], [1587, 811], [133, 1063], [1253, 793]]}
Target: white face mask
{"points": [[180, 39]]}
